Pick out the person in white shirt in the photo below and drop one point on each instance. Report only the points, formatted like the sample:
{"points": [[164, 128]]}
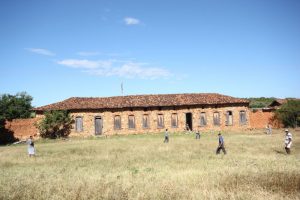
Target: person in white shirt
{"points": [[31, 149], [269, 129], [288, 141]]}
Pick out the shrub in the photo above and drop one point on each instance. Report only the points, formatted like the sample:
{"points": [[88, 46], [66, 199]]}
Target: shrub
{"points": [[55, 124], [289, 113]]}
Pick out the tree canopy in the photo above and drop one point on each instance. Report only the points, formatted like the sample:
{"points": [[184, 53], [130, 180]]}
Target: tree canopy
{"points": [[13, 107], [260, 102]]}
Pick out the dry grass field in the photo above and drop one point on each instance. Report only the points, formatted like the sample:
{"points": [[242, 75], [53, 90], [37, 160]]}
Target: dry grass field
{"points": [[143, 167]]}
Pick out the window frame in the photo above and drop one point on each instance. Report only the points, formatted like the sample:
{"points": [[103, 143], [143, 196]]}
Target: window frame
{"points": [[245, 117], [219, 118], [148, 121], [116, 124], [158, 121], [176, 120], [131, 117], [76, 122], [200, 119]]}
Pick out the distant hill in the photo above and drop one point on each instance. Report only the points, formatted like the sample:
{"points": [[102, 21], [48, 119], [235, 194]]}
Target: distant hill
{"points": [[260, 102]]}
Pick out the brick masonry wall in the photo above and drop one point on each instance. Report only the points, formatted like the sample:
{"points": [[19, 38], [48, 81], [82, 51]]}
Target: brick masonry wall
{"points": [[22, 128], [108, 119], [261, 119]]}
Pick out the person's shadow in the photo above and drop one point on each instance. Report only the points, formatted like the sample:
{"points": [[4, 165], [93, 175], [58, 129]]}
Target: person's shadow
{"points": [[7, 135], [279, 152]]}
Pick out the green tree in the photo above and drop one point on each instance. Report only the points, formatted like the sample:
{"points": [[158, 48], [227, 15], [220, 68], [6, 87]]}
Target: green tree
{"points": [[289, 113], [55, 124], [13, 107], [260, 102]]}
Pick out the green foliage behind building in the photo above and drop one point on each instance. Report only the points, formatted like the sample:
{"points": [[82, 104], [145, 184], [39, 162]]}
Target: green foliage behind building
{"points": [[260, 102]]}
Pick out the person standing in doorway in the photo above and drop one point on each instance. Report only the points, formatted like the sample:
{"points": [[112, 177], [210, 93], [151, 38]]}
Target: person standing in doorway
{"points": [[288, 141], [221, 144], [31, 149], [166, 136]]}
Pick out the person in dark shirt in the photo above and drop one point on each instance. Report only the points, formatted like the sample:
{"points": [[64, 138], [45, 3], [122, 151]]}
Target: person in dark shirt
{"points": [[166, 136], [198, 135], [221, 144]]}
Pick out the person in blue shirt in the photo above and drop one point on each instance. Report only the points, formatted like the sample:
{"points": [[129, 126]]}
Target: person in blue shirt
{"points": [[221, 144]]}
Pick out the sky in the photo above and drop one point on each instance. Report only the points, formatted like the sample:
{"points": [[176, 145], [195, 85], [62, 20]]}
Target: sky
{"points": [[59, 49]]}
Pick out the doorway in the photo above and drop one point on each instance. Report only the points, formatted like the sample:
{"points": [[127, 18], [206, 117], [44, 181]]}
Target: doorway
{"points": [[189, 121], [98, 125], [229, 118]]}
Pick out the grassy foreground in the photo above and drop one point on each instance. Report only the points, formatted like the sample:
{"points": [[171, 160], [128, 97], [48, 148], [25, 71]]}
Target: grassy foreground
{"points": [[143, 167]]}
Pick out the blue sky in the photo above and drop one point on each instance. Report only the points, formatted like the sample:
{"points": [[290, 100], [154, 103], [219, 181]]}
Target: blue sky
{"points": [[61, 48]]}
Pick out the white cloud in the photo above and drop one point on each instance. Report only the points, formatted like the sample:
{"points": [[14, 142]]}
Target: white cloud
{"points": [[127, 69], [131, 21], [85, 64], [44, 52], [89, 53]]}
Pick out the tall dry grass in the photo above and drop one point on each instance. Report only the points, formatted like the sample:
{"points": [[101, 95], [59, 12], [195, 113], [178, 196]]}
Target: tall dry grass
{"points": [[143, 167]]}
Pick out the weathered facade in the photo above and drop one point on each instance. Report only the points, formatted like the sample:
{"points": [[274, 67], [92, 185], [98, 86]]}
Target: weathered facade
{"points": [[153, 113]]}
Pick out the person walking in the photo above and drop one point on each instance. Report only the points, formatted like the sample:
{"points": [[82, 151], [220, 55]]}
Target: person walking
{"points": [[269, 129], [221, 144], [31, 149], [288, 141], [198, 135], [166, 136]]}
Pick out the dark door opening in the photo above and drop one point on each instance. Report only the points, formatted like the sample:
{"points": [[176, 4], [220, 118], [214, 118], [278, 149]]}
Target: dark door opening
{"points": [[189, 121], [98, 125]]}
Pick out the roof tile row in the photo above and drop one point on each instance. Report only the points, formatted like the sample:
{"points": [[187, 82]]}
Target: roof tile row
{"points": [[132, 101]]}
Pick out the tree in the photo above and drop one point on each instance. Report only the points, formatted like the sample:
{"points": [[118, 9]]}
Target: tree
{"points": [[13, 107], [260, 102], [289, 113], [55, 124]]}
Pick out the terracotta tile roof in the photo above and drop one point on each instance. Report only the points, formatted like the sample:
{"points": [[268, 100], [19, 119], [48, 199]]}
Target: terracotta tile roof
{"points": [[279, 102], [78, 103]]}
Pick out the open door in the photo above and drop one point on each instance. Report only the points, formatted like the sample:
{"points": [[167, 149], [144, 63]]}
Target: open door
{"points": [[98, 125], [189, 121]]}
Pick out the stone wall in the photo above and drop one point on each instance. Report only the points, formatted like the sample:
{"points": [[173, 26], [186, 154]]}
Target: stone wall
{"points": [[107, 116], [260, 119], [22, 128]]}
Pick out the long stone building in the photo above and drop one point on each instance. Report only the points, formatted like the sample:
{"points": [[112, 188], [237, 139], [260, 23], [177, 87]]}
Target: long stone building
{"points": [[153, 113]]}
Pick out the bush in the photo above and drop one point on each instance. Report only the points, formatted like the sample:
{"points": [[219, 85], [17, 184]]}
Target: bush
{"points": [[289, 113], [260, 102], [55, 124]]}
